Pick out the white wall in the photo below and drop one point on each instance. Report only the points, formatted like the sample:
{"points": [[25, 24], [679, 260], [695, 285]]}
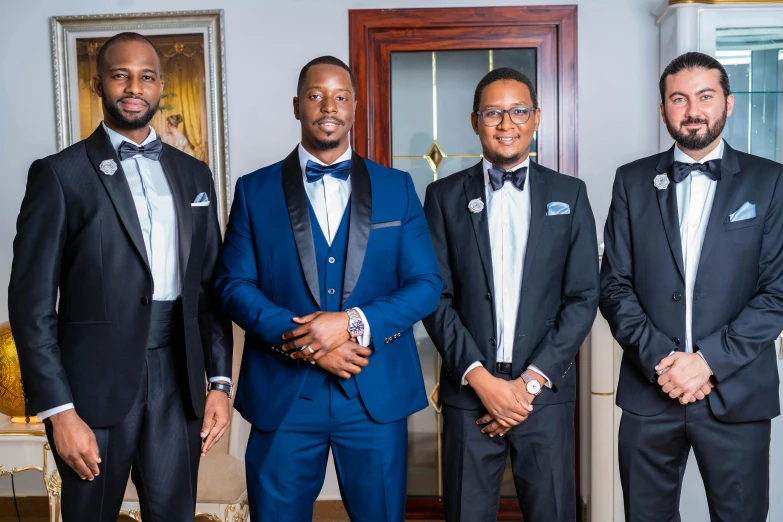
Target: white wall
{"points": [[266, 45]]}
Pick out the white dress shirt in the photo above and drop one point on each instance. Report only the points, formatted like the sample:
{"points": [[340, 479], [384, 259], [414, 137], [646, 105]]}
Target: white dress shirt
{"points": [[508, 214], [695, 195], [329, 197], [158, 220]]}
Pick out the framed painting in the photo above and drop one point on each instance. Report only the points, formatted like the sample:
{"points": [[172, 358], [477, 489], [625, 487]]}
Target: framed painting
{"points": [[192, 115]]}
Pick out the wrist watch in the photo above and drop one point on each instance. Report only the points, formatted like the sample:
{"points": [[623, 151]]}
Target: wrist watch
{"points": [[355, 323], [222, 386], [532, 386]]}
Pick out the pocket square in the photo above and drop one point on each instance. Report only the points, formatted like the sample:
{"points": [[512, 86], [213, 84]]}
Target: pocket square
{"points": [[201, 198], [746, 211], [557, 208]]}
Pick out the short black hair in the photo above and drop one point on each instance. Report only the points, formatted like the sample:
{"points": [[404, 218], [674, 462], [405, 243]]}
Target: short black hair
{"points": [[120, 38], [694, 60], [503, 73], [323, 60]]}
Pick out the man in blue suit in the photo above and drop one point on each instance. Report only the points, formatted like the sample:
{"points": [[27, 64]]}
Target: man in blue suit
{"points": [[327, 264]]}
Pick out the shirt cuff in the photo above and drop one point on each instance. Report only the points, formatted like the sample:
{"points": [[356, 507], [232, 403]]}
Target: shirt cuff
{"points": [[465, 375], [534, 368], [705, 361], [366, 338], [54, 411], [221, 378]]}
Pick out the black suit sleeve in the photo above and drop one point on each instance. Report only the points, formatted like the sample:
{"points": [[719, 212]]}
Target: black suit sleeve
{"points": [[555, 353], [444, 326], [32, 292], [214, 324], [761, 321], [633, 330]]}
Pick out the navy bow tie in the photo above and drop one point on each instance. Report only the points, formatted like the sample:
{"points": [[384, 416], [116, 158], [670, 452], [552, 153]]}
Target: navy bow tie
{"points": [[151, 150], [681, 170], [499, 176], [316, 171]]}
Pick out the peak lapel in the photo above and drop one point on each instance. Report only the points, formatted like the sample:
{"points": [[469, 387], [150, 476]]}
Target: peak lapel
{"points": [[99, 148]]}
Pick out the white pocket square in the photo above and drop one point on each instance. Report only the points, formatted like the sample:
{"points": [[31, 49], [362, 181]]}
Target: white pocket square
{"points": [[557, 208], [746, 211], [201, 200]]}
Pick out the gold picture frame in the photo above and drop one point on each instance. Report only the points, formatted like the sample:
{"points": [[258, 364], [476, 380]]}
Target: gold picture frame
{"points": [[193, 114]]}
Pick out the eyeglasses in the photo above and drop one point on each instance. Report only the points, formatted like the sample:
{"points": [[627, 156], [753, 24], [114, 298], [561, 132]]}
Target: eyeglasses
{"points": [[518, 115]]}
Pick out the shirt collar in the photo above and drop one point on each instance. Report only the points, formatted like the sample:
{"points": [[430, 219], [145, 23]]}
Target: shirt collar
{"points": [[488, 165], [117, 138], [305, 156], [716, 153]]}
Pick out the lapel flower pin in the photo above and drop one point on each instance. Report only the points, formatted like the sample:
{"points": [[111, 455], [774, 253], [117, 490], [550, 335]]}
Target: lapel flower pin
{"points": [[661, 181], [476, 206], [108, 167]]}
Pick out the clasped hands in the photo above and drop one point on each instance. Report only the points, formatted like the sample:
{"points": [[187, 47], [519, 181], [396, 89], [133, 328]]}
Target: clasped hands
{"points": [[322, 338], [507, 402], [684, 376]]}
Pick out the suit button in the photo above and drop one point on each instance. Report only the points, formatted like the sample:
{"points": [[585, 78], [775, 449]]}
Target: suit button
{"points": [[330, 291], [677, 296], [676, 341], [492, 342], [145, 300], [331, 260], [489, 296]]}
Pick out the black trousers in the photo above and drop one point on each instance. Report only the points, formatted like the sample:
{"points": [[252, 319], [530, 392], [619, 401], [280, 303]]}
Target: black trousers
{"points": [[542, 461], [733, 461], [158, 444]]}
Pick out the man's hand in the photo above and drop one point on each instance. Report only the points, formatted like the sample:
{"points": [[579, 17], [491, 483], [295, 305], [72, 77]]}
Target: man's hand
{"points": [[505, 404], [683, 375], [216, 419], [76, 444], [346, 360], [494, 427], [319, 333]]}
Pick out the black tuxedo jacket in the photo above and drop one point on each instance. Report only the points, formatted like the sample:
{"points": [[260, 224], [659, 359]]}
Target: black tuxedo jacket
{"points": [[559, 294], [78, 232], [738, 292]]}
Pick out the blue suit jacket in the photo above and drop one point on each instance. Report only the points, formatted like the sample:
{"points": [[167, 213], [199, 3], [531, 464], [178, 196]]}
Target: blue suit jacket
{"points": [[267, 275]]}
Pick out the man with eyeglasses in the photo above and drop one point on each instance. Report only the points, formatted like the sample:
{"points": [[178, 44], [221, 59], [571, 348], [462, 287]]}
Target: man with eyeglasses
{"points": [[517, 250]]}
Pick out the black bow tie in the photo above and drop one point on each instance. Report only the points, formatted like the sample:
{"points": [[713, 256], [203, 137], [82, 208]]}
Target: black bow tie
{"points": [[151, 150], [498, 177], [681, 170]]}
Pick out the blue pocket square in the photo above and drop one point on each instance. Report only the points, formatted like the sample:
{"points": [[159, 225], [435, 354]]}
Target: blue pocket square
{"points": [[557, 208], [201, 198], [746, 211]]}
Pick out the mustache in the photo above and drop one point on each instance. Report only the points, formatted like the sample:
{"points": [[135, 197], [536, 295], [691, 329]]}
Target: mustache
{"points": [[692, 121], [134, 98], [330, 119]]}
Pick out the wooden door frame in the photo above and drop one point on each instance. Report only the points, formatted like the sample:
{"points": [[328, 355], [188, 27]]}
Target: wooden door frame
{"points": [[552, 30]]}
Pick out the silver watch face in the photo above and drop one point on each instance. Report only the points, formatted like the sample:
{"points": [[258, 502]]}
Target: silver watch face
{"points": [[533, 387]]}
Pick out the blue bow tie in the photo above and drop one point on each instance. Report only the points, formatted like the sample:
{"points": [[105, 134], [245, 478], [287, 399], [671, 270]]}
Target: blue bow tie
{"points": [[316, 171]]}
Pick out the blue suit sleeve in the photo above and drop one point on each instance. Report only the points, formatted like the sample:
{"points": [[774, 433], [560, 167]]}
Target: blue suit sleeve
{"points": [[237, 280], [420, 285]]}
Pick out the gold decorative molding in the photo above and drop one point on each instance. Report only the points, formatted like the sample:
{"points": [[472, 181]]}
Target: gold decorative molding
{"points": [[602, 394], [723, 2]]}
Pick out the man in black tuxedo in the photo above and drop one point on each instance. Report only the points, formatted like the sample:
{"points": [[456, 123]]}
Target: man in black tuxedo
{"points": [[692, 288], [126, 229], [518, 255]]}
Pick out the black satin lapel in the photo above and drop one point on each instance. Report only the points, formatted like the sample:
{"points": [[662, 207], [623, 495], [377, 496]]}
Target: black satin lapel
{"points": [[723, 204], [296, 201], [474, 189], [667, 201], [539, 196], [181, 186], [359, 225], [99, 149]]}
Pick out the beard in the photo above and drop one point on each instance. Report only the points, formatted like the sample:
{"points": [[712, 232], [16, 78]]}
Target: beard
{"points": [[326, 144], [140, 122], [501, 160], [691, 139]]}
